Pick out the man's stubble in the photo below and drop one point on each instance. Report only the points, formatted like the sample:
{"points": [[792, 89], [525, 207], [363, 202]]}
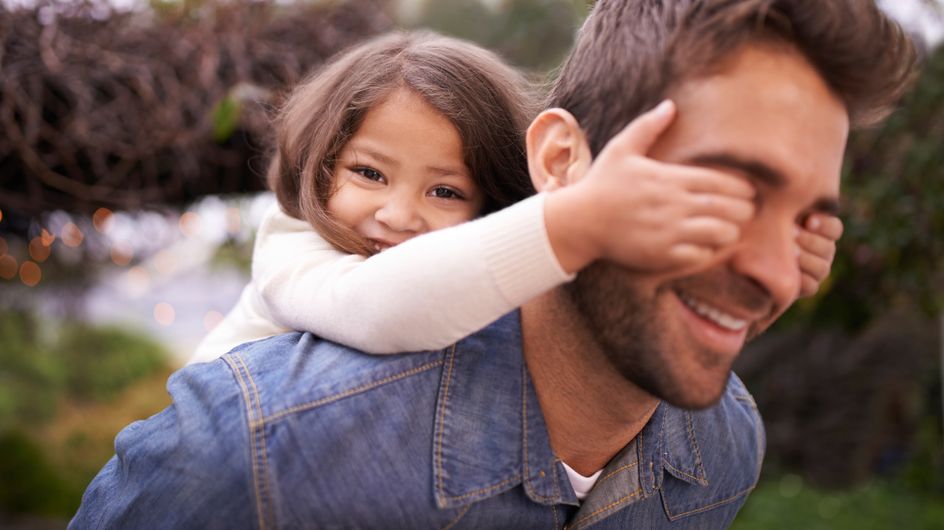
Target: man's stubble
{"points": [[632, 331]]}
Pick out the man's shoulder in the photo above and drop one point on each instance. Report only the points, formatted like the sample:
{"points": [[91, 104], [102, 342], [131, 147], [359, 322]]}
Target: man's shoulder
{"points": [[733, 427], [295, 369]]}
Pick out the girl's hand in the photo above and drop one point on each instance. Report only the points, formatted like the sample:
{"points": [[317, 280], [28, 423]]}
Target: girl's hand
{"points": [[668, 216], [816, 242]]}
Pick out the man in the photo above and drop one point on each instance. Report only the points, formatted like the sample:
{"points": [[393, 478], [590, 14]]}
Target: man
{"points": [[615, 388]]}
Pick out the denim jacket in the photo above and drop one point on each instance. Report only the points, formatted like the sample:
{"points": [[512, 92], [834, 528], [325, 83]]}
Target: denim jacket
{"points": [[296, 432]]}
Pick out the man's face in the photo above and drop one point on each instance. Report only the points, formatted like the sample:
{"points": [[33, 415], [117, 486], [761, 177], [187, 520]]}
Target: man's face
{"points": [[766, 116]]}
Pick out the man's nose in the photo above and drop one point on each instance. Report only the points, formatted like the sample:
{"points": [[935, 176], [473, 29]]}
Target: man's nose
{"points": [[400, 213], [768, 255]]}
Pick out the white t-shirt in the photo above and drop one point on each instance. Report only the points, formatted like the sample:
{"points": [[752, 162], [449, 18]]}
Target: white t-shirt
{"points": [[423, 294], [581, 484]]}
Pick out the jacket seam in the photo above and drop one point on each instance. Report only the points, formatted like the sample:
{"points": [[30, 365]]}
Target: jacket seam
{"points": [[465, 509], [251, 425], [276, 416], [262, 454], [440, 485], [611, 506], [617, 471], [524, 440], [708, 507]]}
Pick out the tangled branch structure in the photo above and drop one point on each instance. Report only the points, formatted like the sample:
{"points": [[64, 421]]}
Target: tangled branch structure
{"points": [[131, 109]]}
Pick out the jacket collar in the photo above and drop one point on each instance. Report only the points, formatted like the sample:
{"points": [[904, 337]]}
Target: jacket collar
{"points": [[490, 434]]}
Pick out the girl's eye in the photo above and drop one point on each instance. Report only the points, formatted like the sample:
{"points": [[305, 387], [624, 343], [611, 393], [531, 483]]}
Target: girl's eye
{"points": [[369, 174], [442, 192]]}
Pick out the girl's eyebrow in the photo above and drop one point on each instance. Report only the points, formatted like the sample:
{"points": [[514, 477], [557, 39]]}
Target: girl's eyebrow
{"points": [[380, 157], [445, 171]]}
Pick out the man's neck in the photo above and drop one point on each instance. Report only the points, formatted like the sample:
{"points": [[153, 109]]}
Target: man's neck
{"points": [[591, 411]]}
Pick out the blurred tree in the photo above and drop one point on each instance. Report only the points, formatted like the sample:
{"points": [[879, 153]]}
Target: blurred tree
{"points": [[534, 34], [126, 109]]}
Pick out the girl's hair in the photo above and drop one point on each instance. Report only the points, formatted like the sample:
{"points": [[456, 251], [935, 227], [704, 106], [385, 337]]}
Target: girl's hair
{"points": [[487, 101]]}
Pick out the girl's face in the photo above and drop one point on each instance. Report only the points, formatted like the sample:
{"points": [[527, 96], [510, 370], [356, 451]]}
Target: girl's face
{"points": [[402, 174]]}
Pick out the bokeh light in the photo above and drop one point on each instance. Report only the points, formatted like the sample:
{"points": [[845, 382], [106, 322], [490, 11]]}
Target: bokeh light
{"points": [[165, 263], [101, 219], [164, 314], [121, 254], [212, 319], [47, 237], [189, 224], [38, 251], [3, 246], [137, 281], [1, 214], [8, 267], [30, 274], [71, 235]]}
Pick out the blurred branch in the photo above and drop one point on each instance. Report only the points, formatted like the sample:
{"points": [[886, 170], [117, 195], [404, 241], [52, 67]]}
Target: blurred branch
{"points": [[122, 109]]}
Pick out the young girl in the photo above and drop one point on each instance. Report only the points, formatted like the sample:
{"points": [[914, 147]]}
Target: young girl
{"points": [[405, 135]]}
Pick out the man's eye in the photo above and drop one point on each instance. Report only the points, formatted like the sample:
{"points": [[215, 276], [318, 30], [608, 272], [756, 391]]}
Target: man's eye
{"points": [[442, 192], [369, 174]]}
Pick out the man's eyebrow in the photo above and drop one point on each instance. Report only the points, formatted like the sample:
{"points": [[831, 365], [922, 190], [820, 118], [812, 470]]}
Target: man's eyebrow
{"points": [[754, 169], [761, 172]]}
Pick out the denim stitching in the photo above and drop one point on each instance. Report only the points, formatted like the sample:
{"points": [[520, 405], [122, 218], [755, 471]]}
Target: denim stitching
{"points": [[442, 420], [556, 520], [455, 521], [252, 442], [617, 471], [347, 393], [263, 451], [524, 430], [610, 506], [710, 506], [684, 474], [747, 399], [691, 437], [487, 489]]}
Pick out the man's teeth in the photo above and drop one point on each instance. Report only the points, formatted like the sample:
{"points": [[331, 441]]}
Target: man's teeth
{"points": [[720, 318]]}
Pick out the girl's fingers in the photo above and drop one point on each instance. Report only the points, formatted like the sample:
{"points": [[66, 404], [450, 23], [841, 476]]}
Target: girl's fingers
{"points": [[816, 244], [703, 180], [828, 226], [814, 266], [808, 286], [721, 206], [711, 232], [688, 255]]}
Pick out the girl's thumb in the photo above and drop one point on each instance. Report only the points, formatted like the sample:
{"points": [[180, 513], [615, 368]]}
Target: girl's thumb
{"points": [[641, 134]]}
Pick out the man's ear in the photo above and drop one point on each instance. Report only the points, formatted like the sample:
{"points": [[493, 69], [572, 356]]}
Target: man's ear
{"points": [[558, 153]]}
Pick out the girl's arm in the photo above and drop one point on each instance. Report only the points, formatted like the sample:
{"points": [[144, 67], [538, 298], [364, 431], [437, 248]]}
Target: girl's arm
{"points": [[423, 294]]}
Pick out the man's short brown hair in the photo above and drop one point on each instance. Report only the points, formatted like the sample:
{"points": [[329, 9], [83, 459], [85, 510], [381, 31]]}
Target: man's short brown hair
{"points": [[630, 54]]}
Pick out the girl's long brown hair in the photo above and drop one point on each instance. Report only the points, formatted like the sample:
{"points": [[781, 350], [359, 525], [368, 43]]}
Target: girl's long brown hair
{"points": [[487, 101]]}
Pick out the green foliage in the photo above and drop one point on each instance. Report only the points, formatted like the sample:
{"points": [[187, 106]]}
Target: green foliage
{"points": [[226, 118], [530, 33], [30, 377], [39, 372], [83, 362], [102, 361], [788, 503], [30, 484]]}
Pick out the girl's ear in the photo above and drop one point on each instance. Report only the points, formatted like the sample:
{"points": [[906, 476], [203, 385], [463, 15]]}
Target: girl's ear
{"points": [[558, 153]]}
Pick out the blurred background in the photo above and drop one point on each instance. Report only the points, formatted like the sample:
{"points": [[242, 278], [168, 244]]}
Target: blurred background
{"points": [[133, 140]]}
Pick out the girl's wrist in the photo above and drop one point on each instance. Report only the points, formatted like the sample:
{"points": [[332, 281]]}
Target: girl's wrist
{"points": [[571, 229]]}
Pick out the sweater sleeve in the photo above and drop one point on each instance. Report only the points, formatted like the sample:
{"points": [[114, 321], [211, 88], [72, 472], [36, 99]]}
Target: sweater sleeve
{"points": [[423, 294]]}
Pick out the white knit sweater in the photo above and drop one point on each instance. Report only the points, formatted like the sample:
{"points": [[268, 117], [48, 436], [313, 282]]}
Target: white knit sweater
{"points": [[423, 294]]}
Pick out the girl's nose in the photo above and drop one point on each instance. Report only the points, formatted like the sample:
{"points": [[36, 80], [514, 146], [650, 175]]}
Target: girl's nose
{"points": [[400, 214]]}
